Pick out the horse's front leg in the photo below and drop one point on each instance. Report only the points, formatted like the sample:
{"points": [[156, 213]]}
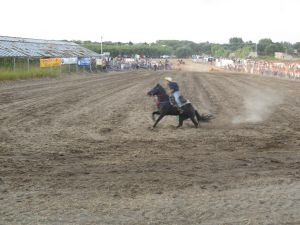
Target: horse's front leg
{"points": [[158, 119], [155, 113]]}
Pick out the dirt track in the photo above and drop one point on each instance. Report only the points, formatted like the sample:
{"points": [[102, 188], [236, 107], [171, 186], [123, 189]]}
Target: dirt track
{"points": [[78, 150]]}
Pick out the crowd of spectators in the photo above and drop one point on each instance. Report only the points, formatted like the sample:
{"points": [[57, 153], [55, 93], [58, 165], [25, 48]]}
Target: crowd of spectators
{"points": [[289, 70], [122, 63], [281, 69]]}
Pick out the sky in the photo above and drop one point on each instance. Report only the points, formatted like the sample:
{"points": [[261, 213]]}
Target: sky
{"points": [[150, 20]]}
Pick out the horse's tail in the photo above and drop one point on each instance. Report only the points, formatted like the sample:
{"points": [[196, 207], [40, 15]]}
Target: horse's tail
{"points": [[203, 117]]}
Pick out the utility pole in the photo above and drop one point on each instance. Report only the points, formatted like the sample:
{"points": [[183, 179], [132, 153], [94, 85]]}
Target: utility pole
{"points": [[101, 46], [256, 49]]}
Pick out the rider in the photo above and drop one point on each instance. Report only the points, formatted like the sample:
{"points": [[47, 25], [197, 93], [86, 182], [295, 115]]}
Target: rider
{"points": [[174, 91]]}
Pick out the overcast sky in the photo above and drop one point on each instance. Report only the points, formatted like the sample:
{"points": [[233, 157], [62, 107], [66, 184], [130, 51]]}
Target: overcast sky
{"points": [[151, 20]]}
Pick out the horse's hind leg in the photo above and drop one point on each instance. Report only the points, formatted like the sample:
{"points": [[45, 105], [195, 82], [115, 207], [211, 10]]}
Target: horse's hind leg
{"points": [[180, 121], [191, 114], [192, 117]]}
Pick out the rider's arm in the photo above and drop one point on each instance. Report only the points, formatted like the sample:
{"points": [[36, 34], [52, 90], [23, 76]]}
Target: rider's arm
{"points": [[173, 86]]}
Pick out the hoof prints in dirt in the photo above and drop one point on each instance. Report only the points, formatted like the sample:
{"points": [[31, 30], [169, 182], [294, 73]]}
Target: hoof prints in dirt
{"points": [[88, 149], [106, 130]]}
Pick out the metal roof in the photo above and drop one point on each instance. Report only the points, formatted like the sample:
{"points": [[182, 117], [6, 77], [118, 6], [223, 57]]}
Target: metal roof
{"points": [[26, 47]]}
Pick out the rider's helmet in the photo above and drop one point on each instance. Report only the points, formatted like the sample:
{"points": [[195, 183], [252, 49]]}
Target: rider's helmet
{"points": [[168, 79]]}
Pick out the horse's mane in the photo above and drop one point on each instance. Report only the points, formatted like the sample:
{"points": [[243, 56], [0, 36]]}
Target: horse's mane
{"points": [[161, 88]]}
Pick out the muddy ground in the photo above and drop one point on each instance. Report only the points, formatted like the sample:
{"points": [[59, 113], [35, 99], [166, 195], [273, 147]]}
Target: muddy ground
{"points": [[78, 149]]}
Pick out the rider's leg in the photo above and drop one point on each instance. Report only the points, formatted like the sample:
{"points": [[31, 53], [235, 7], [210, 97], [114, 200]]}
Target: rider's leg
{"points": [[176, 95]]}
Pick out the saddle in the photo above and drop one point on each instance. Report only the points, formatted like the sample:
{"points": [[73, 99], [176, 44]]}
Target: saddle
{"points": [[181, 99]]}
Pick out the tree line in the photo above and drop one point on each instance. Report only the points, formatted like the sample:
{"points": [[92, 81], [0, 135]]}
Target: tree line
{"points": [[183, 49]]}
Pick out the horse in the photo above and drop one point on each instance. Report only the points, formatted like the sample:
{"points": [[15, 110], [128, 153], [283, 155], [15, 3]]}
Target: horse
{"points": [[166, 108]]}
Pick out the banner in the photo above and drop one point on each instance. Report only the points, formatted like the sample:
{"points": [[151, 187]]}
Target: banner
{"points": [[99, 62], [50, 62], [84, 62], [129, 60], [68, 61]]}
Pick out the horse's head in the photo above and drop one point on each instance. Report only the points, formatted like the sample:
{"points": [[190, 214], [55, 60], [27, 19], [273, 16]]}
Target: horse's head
{"points": [[157, 90]]}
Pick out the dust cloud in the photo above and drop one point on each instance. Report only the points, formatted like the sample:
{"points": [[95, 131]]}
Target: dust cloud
{"points": [[258, 105]]}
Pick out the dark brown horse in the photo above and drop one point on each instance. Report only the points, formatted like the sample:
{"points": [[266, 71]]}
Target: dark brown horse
{"points": [[165, 108]]}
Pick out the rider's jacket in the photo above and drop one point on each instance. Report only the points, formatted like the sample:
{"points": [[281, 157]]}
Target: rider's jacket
{"points": [[173, 86]]}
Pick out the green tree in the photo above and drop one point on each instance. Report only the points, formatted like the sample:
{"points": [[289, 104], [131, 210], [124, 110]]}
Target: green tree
{"points": [[287, 47], [296, 47], [183, 52], [272, 48], [235, 43], [262, 45], [204, 48], [243, 52], [218, 50], [125, 49]]}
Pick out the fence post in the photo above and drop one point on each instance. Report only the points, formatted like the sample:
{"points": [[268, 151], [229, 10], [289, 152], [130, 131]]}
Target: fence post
{"points": [[14, 66], [28, 64]]}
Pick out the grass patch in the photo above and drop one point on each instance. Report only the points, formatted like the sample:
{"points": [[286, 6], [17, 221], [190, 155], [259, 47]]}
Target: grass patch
{"points": [[34, 72]]}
